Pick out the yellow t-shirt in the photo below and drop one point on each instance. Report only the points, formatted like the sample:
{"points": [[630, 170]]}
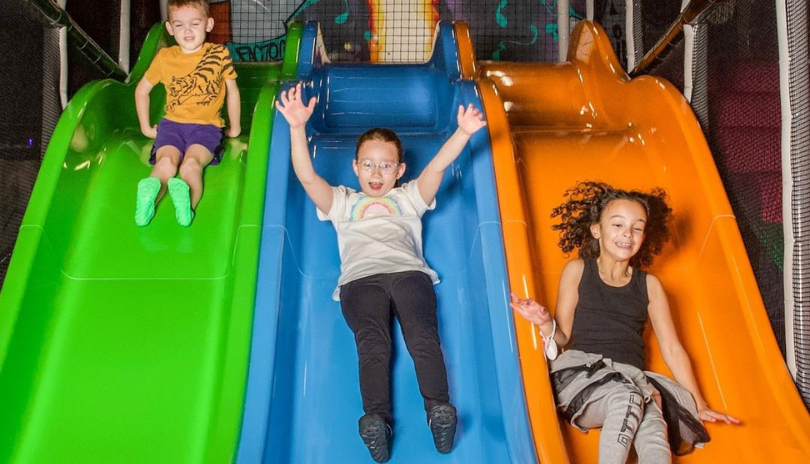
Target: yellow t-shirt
{"points": [[195, 82]]}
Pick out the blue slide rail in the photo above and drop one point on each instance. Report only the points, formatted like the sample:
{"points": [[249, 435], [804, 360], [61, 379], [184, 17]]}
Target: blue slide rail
{"points": [[303, 399]]}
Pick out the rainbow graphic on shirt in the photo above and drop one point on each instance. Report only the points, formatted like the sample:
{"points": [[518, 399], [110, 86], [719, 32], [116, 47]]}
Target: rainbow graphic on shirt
{"points": [[369, 207]]}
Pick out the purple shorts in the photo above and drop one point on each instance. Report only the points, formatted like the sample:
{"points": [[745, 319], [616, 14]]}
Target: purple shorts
{"points": [[181, 136]]}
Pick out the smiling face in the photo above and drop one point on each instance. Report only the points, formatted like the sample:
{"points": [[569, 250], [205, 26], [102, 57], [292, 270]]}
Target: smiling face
{"points": [[377, 167], [189, 25], [620, 230]]}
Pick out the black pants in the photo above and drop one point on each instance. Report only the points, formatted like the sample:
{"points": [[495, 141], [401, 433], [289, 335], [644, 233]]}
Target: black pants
{"points": [[368, 305]]}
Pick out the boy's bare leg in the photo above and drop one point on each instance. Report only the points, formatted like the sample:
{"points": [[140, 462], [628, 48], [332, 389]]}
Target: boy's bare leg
{"points": [[152, 188], [187, 190], [167, 160], [197, 158]]}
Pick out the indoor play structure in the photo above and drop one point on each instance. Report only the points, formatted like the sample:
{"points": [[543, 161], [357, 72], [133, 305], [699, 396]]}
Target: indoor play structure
{"points": [[125, 344], [220, 342], [600, 127], [302, 386]]}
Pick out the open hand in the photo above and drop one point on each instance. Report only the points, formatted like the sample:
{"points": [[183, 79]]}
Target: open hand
{"points": [[470, 119], [707, 414], [292, 107], [531, 310]]}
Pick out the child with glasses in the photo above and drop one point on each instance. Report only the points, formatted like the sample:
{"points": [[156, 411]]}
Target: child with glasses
{"points": [[383, 270]]}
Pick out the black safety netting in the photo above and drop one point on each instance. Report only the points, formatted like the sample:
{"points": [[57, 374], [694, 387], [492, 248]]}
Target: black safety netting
{"points": [[735, 94], [395, 31], [744, 133], [30, 90], [101, 21], [736, 85], [26, 120]]}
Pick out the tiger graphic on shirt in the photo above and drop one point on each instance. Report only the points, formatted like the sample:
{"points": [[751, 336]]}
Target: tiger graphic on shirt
{"points": [[204, 83]]}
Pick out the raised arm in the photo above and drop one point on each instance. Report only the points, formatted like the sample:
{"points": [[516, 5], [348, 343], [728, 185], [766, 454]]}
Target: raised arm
{"points": [[292, 107], [470, 120], [142, 108], [674, 354], [234, 105]]}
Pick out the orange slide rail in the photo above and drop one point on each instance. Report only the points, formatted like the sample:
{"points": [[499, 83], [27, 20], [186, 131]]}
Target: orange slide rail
{"points": [[552, 125]]}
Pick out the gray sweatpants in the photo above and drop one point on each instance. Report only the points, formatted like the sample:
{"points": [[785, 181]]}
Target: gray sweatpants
{"points": [[623, 408], [624, 419]]}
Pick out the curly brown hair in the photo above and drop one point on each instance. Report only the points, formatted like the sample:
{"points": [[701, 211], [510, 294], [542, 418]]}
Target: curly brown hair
{"points": [[584, 207]]}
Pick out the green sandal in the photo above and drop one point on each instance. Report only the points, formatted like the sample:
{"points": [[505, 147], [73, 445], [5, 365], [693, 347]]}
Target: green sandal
{"points": [[181, 198], [148, 190]]}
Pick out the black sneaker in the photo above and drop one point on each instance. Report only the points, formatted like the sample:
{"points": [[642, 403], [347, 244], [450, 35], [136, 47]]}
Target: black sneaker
{"points": [[376, 434], [442, 421]]}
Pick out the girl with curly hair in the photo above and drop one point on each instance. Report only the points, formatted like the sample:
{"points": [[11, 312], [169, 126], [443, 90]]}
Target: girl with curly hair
{"points": [[603, 304]]}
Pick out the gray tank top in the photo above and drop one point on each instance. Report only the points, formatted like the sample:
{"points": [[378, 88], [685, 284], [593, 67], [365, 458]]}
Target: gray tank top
{"points": [[610, 320]]}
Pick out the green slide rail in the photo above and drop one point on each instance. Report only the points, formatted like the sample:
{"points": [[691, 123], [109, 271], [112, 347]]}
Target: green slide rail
{"points": [[125, 344]]}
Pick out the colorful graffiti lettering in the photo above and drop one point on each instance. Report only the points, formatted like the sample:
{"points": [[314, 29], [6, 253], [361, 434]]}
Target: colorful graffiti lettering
{"points": [[269, 50]]}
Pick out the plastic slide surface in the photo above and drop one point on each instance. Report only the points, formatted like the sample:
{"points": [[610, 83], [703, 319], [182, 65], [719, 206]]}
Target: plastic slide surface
{"points": [[303, 399], [555, 124], [125, 344]]}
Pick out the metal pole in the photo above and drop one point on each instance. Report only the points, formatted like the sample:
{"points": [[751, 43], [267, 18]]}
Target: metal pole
{"points": [[692, 14], [124, 36], [63, 62], [51, 15], [629, 34], [562, 28]]}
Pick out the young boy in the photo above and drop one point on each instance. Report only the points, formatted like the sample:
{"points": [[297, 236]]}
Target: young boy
{"points": [[196, 75]]}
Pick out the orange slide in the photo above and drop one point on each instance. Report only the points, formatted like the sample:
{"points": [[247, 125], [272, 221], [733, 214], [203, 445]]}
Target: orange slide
{"points": [[552, 125]]}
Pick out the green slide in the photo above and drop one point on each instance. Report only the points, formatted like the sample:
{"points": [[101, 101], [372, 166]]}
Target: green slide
{"points": [[125, 344]]}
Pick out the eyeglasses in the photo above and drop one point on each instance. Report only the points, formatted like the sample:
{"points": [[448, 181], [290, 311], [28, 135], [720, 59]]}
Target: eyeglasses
{"points": [[386, 167]]}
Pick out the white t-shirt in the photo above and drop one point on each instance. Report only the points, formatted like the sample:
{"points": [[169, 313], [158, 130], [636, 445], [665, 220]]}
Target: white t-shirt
{"points": [[378, 235]]}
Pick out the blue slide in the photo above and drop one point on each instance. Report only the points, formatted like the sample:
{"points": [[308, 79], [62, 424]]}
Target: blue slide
{"points": [[303, 400]]}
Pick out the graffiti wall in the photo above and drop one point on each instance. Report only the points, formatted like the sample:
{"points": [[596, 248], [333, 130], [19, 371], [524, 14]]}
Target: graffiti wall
{"points": [[393, 30]]}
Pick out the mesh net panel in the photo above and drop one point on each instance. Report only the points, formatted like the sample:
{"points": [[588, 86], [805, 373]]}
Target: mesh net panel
{"points": [[799, 92], [744, 133], [656, 17], [611, 15], [144, 14], [101, 21], [22, 122], [399, 30], [739, 110], [29, 86]]}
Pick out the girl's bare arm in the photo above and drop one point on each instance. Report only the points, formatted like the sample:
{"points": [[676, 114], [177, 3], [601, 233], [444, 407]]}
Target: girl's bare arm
{"points": [[470, 120], [297, 114], [673, 352], [567, 299]]}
